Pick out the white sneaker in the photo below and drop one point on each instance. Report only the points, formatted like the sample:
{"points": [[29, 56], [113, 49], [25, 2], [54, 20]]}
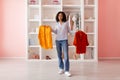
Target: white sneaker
{"points": [[61, 71], [68, 74]]}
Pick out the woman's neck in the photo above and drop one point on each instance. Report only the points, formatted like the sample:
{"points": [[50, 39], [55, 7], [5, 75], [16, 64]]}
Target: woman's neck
{"points": [[60, 22]]}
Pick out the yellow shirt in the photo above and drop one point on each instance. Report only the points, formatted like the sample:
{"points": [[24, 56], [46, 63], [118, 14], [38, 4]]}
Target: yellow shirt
{"points": [[45, 37]]}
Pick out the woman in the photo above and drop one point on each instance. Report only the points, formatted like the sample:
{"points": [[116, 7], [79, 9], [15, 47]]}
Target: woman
{"points": [[61, 30]]}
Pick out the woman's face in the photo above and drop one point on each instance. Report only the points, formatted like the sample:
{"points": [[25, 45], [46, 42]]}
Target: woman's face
{"points": [[60, 17]]}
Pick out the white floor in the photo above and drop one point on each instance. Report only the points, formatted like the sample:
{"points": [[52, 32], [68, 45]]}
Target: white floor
{"points": [[26, 70]]}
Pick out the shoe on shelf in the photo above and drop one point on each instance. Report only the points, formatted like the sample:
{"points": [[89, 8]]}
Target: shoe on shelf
{"points": [[47, 58], [61, 71], [68, 74]]}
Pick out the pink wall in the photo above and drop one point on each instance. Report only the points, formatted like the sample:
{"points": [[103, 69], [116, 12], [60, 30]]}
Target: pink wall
{"points": [[109, 28], [1, 28], [12, 28]]}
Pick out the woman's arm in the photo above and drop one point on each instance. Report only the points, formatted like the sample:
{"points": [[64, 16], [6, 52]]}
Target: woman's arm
{"points": [[70, 25], [54, 30]]}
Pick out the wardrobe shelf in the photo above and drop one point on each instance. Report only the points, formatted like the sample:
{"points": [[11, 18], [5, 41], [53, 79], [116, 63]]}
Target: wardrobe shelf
{"points": [[34, 20], [43, 12], [89, 6], [72, 6], [34, 46], [34, 6], [33, 33], [89, 20], [90, 33], [51, 6], [48, 20]]}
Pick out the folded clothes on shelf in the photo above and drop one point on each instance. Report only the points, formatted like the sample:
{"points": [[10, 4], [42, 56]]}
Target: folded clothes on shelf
{"points": [[34, 56]]}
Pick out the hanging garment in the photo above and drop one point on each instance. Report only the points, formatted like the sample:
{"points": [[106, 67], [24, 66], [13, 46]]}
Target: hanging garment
{"points": [[80, 41], [45, 37]]}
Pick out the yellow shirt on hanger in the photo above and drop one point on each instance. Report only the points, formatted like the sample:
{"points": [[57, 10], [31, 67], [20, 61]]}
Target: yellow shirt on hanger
{"points": [[45, 37]]}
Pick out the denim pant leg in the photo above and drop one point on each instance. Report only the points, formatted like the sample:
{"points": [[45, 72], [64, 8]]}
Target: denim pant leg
{"points": [[66, 56], [59, 52]]}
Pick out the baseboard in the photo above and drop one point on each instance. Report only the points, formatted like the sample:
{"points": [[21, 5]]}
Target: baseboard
{"points": [[23, 58], [114, 58]]}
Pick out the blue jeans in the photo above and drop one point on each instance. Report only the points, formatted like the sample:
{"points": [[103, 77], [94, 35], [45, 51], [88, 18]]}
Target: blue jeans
{"points": [[63, 45]]}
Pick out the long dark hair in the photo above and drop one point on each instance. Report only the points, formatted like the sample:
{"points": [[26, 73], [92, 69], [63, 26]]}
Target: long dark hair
{"points": [[64, 16]]}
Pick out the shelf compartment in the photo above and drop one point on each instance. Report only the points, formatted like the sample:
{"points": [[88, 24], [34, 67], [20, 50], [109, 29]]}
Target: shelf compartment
{"points": [[33, 27], [89, 27], [91, 39], [51, 2], [49, 13], [50, 23], [54, 39], [51, 53], [72, 54], [70, 40], [71, 9], [33, 53], [89, 14], [33, 2], [33, 13], [89, 53], [71, 2], [33, 40], [89, 2]]}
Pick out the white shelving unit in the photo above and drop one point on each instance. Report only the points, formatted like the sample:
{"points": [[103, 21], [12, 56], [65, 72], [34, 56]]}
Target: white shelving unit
{"points": [[44, 12]]}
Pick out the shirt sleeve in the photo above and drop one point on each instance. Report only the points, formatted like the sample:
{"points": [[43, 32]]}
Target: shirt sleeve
{"points": [[69, 30]]}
